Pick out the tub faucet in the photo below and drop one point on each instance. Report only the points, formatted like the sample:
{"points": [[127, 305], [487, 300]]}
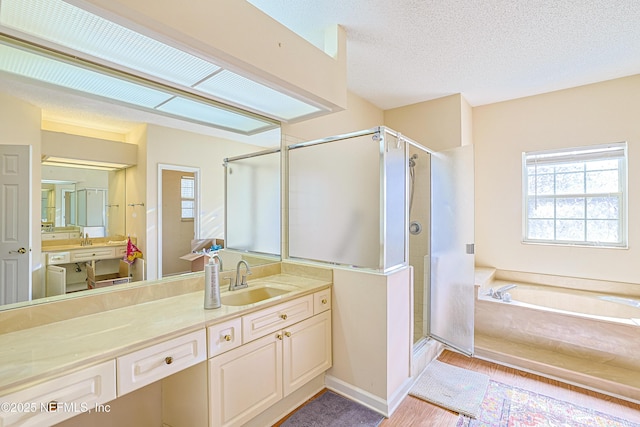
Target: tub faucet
{"points": [[501, 292], [241, 281]]}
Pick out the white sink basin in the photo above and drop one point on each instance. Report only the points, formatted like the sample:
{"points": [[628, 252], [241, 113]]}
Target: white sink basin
{"points": [[254, 294]]}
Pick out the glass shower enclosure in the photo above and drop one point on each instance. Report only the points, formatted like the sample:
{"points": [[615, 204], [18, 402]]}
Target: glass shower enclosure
{"points": [[346, 200], [376, 200], [252, 203]]}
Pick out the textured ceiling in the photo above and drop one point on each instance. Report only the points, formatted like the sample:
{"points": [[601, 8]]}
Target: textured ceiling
{"points": [[400, 52]]}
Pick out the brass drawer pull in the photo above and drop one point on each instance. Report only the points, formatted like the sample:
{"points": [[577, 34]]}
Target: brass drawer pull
{"points": [[279, 336], [283, 316], [287, 334], [227, 337], [168, 360], [324, 300]]}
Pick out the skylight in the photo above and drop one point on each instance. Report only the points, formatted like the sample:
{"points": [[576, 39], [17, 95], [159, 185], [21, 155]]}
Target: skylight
{"points": [[237, 89], [75, 31], [24, 61], [61, 23], [59, 73]]}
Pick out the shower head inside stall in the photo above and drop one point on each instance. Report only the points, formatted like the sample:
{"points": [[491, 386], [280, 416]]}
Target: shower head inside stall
{"points": [[412, 160]]}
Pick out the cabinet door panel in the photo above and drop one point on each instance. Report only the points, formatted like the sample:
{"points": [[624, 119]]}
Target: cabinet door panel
{"points": [[245, 381], [307, 351]]}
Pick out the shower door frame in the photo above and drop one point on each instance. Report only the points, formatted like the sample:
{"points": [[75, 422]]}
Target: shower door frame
{"points": [[451, 293]]}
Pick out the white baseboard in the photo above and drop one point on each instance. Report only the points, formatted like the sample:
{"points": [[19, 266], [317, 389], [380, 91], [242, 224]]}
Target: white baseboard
{"points": [[386, 407], [357, 394]]}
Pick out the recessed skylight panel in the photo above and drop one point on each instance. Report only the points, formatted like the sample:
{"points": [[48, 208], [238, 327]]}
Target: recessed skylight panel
{"points": [[67, 25], [218, 117], [59, 73], [239, 90]]}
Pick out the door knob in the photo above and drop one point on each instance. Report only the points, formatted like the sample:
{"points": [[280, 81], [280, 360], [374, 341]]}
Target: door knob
{"points": [[19, 251]]}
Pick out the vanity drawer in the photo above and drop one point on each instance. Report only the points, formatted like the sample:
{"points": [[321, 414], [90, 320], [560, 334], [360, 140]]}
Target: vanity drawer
{"points": [[120, 251], [91, 254], [54, 401], [321, 301], [58, 258], [137, 369], [260, 323], [54, 236], [224, 336]]}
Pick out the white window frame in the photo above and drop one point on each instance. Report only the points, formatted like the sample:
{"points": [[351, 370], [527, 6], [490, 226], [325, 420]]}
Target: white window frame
{"points": [[578, 155], [187, 199]]}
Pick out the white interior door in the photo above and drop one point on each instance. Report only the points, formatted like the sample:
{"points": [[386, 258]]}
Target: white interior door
{"points": [[15, 214], [451, 298]]}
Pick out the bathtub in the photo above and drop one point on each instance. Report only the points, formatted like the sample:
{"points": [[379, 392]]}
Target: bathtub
{"points": [[596, 305], [588, 337]]}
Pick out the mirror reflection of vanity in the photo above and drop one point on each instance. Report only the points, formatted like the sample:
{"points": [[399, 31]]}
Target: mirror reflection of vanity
{"points": [[122, 218], [83, 223]]}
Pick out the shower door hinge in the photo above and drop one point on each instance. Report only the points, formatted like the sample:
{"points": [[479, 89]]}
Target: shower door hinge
{"points": [[471, 248]]}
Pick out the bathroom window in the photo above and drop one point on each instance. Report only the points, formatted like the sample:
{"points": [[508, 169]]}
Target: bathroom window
{"points": [[188, 198], [576, 196]]}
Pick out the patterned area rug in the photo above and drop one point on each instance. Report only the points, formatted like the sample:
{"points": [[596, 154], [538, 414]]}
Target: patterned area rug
{"points": [[332, 410], [506, 406]]}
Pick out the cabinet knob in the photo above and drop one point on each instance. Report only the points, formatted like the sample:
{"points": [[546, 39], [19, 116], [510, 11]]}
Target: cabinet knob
{"points": [[168, 360], [287, 334], [324, 300], [283, 316], [279, 336], [227, 337]]}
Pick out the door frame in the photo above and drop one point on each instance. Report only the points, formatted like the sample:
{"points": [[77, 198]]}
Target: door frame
{"points": [[196, 220]]}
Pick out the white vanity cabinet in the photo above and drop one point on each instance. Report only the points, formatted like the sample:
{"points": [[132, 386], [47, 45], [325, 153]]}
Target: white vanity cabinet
{"points": [[284, 347], [60, 277], [59, 399]]}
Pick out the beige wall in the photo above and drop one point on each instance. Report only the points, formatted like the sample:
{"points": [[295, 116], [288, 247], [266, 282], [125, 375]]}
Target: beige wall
{"points": [[594, 114], [180, 148], [438, 124], [117, 196], [359, 115], [136, 178]]}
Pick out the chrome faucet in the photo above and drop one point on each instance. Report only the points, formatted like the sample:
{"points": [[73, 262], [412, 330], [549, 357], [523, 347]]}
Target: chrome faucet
{"points": [[501, 293], [85, 241], [241, 281], [216, 256]]}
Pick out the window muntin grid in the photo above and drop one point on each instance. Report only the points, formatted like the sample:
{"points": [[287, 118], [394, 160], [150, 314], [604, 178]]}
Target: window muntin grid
{"points": [[576, 196]]}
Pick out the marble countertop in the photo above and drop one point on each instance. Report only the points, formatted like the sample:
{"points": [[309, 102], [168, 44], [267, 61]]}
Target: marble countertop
{"points": [[43, 352], [74, 246]]}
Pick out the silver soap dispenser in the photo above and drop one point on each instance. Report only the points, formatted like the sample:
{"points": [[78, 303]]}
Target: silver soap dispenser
{"points": [[212, 283]]}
